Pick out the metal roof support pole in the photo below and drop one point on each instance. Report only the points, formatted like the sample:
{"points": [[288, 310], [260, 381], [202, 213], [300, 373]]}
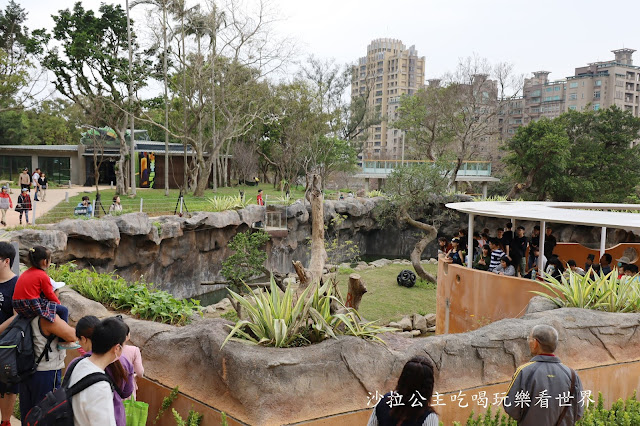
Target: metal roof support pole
{"points": [[470, 241], [543, 233], [603, 240]]}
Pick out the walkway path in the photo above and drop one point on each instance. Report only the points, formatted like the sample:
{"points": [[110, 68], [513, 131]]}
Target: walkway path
{"points": [[54, 196]]}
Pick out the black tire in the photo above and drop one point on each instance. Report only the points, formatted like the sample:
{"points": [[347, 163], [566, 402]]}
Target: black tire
{"points": [[406, 278]]}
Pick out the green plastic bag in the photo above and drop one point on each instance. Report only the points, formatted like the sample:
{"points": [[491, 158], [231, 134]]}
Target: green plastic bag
{"points": [[136, 412]]}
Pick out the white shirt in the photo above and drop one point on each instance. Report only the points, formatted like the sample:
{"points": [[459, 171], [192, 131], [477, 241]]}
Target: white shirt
{"points": [[35, 178], [94, 405]]}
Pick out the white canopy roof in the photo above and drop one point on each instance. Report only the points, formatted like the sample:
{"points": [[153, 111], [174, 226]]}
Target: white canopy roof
{"points": [[571, 213]]}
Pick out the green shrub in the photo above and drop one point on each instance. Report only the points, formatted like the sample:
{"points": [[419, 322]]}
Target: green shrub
{"points": [[622, 413], [375, 193], [114, 292], [606, 293], [230, 202], [277, 319]]}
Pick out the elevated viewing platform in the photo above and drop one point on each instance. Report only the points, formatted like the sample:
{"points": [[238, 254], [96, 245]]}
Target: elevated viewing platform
{"points": [[470, 171], [382, 168]]}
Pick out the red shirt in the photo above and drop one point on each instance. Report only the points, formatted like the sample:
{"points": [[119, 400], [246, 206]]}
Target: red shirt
{"points": [[260, 200], [32, 283]]}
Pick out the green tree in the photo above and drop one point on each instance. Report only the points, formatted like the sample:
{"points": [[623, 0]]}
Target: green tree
{"points": [[19, 51], [91, 68], [412, 191], [578, 156], [246, 262], [537, 157]]}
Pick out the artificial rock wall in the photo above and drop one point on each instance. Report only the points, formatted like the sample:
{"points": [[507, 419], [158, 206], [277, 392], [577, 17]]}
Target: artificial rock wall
{"points": [[179, 254], [270, 386]]}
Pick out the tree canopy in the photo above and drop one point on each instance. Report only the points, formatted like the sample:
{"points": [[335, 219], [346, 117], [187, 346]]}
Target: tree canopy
{"points": [[580, 156]]}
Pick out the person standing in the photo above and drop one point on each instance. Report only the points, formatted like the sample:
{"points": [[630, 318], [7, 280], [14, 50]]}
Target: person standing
{"points": [[518, 249], [5, 204], [24, 205], [35, 179], [549, 243], [42, 185], [259, 198], [94, 405], [25, 180], [544, 378], [534, 242], [7, 284]]}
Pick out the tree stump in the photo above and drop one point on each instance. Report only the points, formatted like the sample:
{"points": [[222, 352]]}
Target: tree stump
{"points": [[357, 289]]}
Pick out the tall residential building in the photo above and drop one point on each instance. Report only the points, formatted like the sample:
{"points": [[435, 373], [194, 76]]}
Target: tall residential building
{"points": [[594, 86], [389, 71]]}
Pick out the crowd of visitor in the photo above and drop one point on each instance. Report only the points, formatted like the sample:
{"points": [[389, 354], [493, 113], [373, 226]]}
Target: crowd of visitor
{"points": [[32, 297], [515, 254]]}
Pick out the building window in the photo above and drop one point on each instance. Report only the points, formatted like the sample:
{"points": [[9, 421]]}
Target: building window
{"points": [[573, 85], [58, 169], [596, 107], [573, 96], [598, 83], [11, 166], [572, 107], [556, 89], [596, 95], [549, 89]]}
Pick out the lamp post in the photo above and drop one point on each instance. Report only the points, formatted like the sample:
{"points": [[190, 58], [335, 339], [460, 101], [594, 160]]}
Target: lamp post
{"points": [[132, 138]]}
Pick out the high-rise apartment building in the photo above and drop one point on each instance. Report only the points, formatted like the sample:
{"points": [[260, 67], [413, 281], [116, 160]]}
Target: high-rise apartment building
{"points": [[389, 71], [594, 86]]}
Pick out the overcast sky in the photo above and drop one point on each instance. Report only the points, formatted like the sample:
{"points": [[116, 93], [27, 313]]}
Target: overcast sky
{"points": [[554, 35]]}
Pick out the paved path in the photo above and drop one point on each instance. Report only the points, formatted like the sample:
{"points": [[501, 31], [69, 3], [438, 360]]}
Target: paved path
{"points": [[54, 196]]}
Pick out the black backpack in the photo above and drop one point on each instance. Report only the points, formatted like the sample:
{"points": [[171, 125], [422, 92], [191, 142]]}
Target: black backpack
{"points": [[17, 356], [56, 408]]}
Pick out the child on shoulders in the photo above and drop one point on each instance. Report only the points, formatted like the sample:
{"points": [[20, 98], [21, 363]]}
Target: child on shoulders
{"points": [[34, 293]]}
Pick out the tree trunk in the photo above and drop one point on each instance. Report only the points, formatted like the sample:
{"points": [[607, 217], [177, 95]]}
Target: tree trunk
{"points": [[416, 254], [357, 289], [121, 189], [318, 252], [203, 176]]}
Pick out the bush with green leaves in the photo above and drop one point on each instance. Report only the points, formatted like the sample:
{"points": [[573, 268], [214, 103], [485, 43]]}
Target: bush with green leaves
{"points": [[280, 319], [621, 413], [601, 292], [246, 262], [230, 202], [139, 298]]}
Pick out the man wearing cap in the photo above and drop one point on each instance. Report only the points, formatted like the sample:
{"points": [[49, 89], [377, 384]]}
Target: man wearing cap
{"points": [[24, 204], [25, 180]]}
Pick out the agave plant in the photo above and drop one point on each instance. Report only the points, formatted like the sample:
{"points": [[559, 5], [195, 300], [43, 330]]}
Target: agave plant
{"points": [[232, 202], [276, 319], [603, 292]]}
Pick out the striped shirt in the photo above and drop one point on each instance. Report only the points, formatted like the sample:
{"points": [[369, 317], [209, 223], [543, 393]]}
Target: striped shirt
{"points": [[496, 255]]}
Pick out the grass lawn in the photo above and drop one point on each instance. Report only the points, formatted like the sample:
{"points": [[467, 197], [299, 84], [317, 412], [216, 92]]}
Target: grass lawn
{"points": [[385, 300], [156, 204]]}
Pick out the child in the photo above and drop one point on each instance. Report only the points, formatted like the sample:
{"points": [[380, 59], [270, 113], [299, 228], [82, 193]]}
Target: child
{"points": [[34, 294], [24, 205], [5, 204]]}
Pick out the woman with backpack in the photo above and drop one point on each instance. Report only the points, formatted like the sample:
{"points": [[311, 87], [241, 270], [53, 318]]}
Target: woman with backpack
{"points": [[24, 205], [120, 371]]}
